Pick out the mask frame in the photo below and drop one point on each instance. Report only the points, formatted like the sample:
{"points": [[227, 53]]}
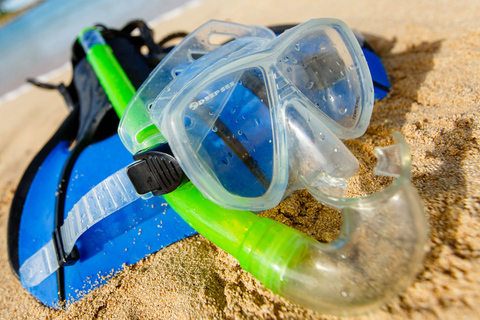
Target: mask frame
{"points": [[218, 76]]}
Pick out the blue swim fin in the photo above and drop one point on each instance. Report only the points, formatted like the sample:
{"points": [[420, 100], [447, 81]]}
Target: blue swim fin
{"points": [[84, 151]]}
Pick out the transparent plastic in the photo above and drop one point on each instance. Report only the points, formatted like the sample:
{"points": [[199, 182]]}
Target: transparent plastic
{"points": [[245, 119], [377, 254], [136, 130]]}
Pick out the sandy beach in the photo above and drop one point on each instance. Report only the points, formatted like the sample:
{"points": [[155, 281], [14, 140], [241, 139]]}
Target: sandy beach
{"points": [[431, 51]]}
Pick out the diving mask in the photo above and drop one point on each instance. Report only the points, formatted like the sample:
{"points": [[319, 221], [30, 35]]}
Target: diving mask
{"points": [[252, 117]]}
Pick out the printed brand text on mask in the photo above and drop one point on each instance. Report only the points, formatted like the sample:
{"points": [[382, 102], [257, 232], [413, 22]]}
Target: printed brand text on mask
{"points": [[194, 105]]}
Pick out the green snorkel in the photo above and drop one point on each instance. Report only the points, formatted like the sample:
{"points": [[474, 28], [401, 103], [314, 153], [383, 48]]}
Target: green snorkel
{"points": [[376, 255]]}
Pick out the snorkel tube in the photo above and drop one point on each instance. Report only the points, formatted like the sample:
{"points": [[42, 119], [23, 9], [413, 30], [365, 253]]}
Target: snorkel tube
{"points": [[375, 256]]}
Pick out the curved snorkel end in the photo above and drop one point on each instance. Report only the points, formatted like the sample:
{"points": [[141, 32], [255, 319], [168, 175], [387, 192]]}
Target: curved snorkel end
{"points": [[377, 254]]}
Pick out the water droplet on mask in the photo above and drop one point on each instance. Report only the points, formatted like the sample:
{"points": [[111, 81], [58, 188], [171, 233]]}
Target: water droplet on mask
{"points": [[286, 59], [188, 122], [211, 113], [344, 294], [243, 138], [309, 85], [342, 110], [214, 129], [321, 136], [335, 150], [317, 105], [240, 132], [297, 47], [322, 45], [257, 121], [289, 69], [240, 82]]}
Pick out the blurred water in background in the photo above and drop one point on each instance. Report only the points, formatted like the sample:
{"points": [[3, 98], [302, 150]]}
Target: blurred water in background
{"points": [[40, 40]]}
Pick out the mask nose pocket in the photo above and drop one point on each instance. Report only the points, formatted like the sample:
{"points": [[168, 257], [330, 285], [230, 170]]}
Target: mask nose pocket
{"points": [[315, 153]]}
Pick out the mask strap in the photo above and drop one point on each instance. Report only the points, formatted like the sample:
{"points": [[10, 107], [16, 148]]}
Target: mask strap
{"points": [[154, 173], [107, 197]]}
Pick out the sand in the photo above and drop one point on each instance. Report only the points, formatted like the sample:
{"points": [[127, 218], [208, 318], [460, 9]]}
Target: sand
{"points": [[431, 53]]}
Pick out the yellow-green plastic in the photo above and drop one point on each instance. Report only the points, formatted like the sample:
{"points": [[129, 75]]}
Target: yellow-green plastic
{"points": [[263, 247]]}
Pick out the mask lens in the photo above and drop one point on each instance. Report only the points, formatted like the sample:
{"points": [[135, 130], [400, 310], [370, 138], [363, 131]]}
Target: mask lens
{"points": [[321, 66], [229, 127]]}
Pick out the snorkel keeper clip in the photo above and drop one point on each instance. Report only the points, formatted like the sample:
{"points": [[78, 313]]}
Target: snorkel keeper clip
{"points": [[156, 172]]}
